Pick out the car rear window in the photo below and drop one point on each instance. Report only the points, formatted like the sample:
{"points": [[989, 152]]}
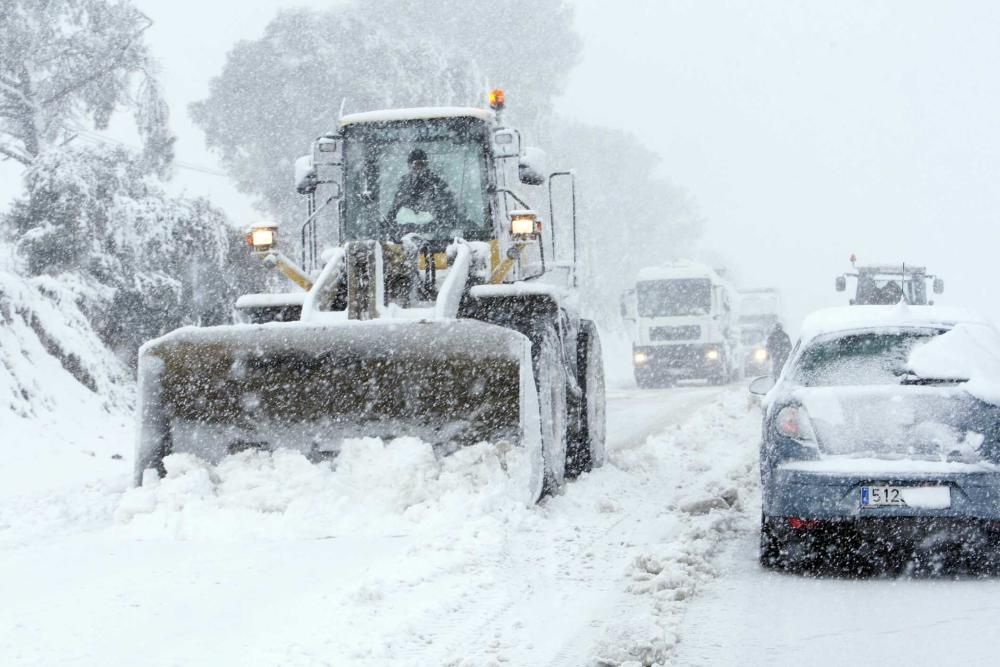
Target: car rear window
{"points": [[864, 358]]}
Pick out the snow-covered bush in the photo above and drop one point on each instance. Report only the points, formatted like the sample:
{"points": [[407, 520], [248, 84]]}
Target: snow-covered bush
{"points": [[92, 211]]}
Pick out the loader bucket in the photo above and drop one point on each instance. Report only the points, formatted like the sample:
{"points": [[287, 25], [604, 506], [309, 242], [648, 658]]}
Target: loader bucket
{"points": [[218, 390]]}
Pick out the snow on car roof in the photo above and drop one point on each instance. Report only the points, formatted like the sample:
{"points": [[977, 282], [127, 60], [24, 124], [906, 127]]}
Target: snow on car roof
{"points": [[848, 318], [418, 113]]}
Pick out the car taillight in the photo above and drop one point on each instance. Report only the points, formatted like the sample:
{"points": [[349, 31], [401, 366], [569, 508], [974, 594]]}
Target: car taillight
{"points": [[792, 421]]}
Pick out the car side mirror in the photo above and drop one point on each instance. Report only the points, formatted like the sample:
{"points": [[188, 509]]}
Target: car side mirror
{"points": [[938, 285], [762, 385], [841, 283]]}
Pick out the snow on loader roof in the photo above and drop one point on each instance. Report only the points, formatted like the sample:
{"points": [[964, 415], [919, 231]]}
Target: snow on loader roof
{"points": [[418, 113]]}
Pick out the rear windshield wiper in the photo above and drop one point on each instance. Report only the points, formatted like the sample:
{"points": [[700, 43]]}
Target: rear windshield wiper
{"points": [[913, 378]]}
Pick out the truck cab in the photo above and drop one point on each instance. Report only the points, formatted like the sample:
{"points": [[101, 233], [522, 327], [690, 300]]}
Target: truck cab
{"points": [[888, 284], [760, 310], [683, 324]]}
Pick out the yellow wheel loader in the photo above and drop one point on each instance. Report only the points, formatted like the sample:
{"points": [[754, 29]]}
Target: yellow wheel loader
{"points": [[431, 300]]}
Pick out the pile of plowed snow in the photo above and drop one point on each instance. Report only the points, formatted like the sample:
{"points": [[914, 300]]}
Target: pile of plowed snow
{"points": [[372, 488]]}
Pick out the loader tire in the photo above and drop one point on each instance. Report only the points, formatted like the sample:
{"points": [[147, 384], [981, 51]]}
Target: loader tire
{"points": [[551, 384], [586, 449]]}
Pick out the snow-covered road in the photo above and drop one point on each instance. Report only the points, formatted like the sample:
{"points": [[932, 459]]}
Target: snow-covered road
{"points": [[413, 563], [395, 558]]}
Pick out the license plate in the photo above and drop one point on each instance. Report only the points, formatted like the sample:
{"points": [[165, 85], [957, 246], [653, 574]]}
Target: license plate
{"points": [[923, 497]]}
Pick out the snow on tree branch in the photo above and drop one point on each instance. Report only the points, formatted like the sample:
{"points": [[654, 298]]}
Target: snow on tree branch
{"points": [[71, 63]]}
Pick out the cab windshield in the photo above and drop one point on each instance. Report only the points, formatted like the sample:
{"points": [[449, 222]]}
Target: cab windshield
{"points": [[887, 290], [672, 298], [417, 176]]}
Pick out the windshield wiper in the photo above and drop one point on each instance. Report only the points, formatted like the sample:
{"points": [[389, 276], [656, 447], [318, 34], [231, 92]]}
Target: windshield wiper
{"points": [[910, 378]]}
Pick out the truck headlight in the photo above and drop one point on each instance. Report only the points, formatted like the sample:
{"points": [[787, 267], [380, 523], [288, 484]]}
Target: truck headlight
{"points": [[524, 224], [262, 238], [712, 354], [640, 358], [760, 355]]}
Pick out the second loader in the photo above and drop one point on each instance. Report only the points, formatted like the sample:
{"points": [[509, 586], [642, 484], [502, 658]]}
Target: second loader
{"points": [[433, 301]]}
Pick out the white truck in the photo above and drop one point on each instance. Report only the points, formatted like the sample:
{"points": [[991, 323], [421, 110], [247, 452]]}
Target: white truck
{"points": [[760, 310], [683, 322]]}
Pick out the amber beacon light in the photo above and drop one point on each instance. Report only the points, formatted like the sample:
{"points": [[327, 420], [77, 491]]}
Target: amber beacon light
{"points": [[496, 99]]}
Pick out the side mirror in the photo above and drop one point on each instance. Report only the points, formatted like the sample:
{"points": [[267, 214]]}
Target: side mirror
{"points": [[329, 149], [327, 163], [531, 167], [841, 283], [762, 385], [506, 142], [305, 175], [938, 285]]}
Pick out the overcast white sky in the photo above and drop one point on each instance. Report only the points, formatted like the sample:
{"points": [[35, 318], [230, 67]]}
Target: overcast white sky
{"points": [[810, 130], [805, 130]]}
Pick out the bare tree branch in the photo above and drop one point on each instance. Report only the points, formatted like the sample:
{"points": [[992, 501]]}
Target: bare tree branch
{"points": [[12, 153], [76, 85], [11, 88]]}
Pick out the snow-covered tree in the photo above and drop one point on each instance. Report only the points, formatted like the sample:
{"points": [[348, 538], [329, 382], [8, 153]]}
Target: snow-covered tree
{"points": [[279, 92], [630, 216], [91, 213], [67, 66]]}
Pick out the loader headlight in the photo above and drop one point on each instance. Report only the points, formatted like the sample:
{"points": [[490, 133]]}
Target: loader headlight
{"points": [[525, 224], [640, 358], [760, 355], [712, 354], [262, 238]]}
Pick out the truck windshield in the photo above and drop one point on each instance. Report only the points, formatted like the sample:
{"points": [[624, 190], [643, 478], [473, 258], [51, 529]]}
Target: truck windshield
{"points": [[880, 289], [423, 176], [758, 305], [672, 298]]}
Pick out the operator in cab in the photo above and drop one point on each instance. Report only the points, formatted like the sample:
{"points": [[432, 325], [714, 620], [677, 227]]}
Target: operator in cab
{"points": [[423, 203]]}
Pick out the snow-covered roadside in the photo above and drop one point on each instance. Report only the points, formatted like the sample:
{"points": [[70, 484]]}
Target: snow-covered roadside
{"points": [[66, 429], [391, 558]]}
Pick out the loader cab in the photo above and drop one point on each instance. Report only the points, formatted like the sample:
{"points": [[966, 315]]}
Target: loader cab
{"points": [[478, 184], [387, 196]]}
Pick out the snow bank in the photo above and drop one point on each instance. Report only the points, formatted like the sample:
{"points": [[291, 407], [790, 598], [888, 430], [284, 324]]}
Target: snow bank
{"points": [[712, 461], [49, 354], [65, 399], [372, 488]]}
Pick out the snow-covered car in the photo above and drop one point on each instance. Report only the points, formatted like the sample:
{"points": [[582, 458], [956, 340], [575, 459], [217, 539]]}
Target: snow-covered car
{"points": [[881, 439]]}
